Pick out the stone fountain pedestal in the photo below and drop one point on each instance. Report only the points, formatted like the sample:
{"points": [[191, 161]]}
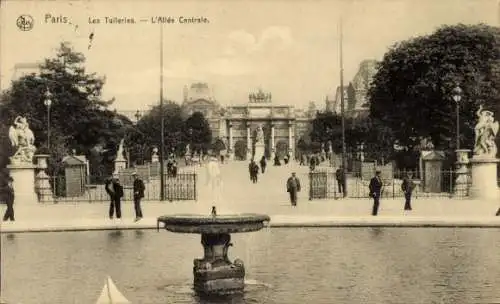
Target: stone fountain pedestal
{"points": [[215, 274], [259, 151], [23, 176], [484, 178]]}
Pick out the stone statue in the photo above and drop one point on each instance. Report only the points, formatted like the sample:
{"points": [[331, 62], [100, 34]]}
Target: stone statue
{"points": [[259, 135], [486, 130], [23, 140], [119, 154], [188, 149]]}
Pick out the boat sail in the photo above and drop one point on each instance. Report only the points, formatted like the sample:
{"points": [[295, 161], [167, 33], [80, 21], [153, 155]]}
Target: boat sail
{"points": [[111, 295]]}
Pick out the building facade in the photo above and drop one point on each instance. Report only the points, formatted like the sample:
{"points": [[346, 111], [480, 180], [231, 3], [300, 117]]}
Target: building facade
{"points": [[356, 103], [283, 125]]}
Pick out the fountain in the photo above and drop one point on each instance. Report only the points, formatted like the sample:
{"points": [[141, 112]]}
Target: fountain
{"points": [[215, 274]]}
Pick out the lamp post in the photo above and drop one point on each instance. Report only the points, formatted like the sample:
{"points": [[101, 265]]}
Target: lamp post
{"points": [[343, 96], [457, 96], [162, 131], [137, 116], [48, 102]]}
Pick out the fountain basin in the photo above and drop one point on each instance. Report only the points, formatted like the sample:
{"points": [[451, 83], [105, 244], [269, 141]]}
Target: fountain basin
{"points": [[215, 274], [195, 223]]}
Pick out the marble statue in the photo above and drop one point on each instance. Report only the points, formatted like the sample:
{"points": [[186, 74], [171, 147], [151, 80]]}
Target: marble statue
{"points": [[259, 135], [23, 140], [119, 154], [486, 130], [188, 149], [213, 179]]}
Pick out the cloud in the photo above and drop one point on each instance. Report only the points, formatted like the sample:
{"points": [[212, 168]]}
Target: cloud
{"points": [[229, 67], [272, 38], [276, 34]]}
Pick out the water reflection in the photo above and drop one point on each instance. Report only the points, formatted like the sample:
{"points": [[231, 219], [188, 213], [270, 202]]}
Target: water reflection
{"points": [[289, 266], [139, 234], [115, 235], [376, 231]]}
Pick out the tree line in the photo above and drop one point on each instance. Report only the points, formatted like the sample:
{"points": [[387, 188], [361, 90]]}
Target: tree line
{"points": [[411, 95]]}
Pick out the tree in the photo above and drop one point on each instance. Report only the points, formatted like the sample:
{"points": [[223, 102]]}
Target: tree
{"points": [[79, 116], [197, 132], [218, 146], [411, 93], [327, 126], [146, 134]]}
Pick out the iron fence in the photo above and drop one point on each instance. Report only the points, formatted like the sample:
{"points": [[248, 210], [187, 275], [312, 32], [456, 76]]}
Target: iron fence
{"points": [[324, 185], [182, 186]]}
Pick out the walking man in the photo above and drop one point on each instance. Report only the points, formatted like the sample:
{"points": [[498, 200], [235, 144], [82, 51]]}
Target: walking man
{"points": [[263, 164], [407, 186], [9, 201], [250, 169], [115, 192], [340, 176], [293, 187], [255, 172], [138, 195], [376, 191]]}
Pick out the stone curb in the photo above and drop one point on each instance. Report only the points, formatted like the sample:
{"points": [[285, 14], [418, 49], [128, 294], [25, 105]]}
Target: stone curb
{"points": [[276, 222]]}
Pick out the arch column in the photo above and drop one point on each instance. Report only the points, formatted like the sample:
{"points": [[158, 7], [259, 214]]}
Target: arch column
{"points": [[249, 141], [273, 144], [291, 140], [230, 149]]}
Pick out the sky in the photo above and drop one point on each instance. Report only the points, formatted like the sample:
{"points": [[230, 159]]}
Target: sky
{"points": [[288, 48]]}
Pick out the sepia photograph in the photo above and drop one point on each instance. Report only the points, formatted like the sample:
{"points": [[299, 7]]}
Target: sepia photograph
{"points": [[249, 152]]}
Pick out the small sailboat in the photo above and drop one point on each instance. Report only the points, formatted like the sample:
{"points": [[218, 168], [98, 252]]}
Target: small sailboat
{"points": [[111, 295]]}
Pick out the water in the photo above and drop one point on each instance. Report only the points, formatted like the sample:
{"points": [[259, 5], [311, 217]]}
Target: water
{"points": [[358, 265]]}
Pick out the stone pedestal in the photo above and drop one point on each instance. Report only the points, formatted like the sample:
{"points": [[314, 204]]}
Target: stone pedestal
{"points": [[120, 164], [462, 181], [42, 180], [259, 151], [23, 176], [484, 179], [215, 274]]}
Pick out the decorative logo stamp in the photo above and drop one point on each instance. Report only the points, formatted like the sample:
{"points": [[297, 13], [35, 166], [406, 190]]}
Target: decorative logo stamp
{"points": [[25, 22]]}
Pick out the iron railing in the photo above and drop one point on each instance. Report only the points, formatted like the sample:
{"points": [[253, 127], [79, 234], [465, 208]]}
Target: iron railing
{"points": [[182, 186], [324, 185]]}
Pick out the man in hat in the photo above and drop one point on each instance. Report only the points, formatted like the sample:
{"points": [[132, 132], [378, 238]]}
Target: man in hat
{"points": [[115, 192], [138, 195], [9, 201], [407, 187], [375, 191], [293, 187]]}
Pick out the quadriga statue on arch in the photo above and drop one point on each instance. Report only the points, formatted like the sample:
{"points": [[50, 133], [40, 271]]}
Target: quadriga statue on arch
{"points": [[22, 140], [486, 131]]}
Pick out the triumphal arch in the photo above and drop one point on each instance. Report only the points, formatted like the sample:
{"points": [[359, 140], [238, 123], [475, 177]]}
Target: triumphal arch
{"points": [[282, 126]]}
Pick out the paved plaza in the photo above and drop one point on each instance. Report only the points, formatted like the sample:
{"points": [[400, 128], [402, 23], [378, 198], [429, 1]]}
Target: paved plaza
{"points": [[268, 196]]}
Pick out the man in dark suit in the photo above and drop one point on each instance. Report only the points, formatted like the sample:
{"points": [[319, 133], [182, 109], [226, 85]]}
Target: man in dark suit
{"points": [[250, 169], [339, 174], [263, 164], [255, 172], [293, 187], [407, 187], [138, 195], [9, 201], [376, 191], [115, 192]]}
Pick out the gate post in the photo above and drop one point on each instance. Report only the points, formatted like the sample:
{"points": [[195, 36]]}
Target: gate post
{"points": [[310, 186]]}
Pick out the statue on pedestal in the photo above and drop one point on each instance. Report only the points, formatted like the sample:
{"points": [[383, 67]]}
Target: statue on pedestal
{"points": [[119, 154], [486, 130], [23, 140], [259, 135]]}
